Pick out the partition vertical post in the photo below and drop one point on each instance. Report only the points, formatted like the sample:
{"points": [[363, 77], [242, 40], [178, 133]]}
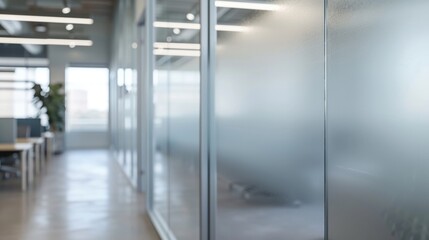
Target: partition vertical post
{"points": [[207, 138], [325, 124], [204, 120], [148, 75], [212, 42], [141, 116]]}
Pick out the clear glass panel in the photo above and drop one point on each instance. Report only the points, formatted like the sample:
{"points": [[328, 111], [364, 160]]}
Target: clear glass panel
{"points": [[120, 106], [128, 116], [176, 89], [113, 109], [269, 113], [378, 128], [160, 155]]}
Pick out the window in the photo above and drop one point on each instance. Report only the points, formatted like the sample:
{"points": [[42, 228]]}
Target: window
{"points": [[87, 99], [16, 98]]}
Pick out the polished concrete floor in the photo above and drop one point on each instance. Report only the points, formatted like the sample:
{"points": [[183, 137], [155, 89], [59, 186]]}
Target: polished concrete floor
{"points": [[83, 195]]}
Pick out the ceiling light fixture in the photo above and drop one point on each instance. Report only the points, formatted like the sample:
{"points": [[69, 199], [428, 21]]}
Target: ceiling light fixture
{"points": [[231, 28], [158, 24], [190, 16], [46, 41], [176, 31], [197, 26], [46, 19], [177, 53], [66, 10], [40, 28], [184, 46], [69, 27], [72, 45], [248, 5]]}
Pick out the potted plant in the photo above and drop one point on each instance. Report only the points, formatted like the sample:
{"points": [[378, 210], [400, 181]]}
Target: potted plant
{"points": [[52, 102]]}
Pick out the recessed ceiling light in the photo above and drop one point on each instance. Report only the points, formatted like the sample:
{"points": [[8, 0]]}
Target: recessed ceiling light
{"points": [[190, 16], [176, 31], [169, 39], [40, 28], [69, 27], [66, 10], [72, 45], [134, 45]]}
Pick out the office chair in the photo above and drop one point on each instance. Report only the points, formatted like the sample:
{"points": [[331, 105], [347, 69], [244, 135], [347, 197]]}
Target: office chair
{"points": [[9, 162], [24, 131], [9, 166]]}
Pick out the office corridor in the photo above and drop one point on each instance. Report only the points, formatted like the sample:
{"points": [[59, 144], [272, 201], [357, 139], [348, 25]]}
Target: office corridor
{"points": [[83, 196]]}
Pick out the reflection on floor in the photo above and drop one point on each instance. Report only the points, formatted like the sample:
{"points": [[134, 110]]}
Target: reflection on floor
{"points": [[83, 196], [257, 219], [177, 195]]}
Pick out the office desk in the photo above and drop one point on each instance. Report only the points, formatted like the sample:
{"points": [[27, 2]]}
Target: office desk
{"points": [[25, 151], [39, 154]]}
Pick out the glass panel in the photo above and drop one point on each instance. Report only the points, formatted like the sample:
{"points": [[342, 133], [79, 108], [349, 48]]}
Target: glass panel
{"points": [[160, 156], [120, 106], [128, 119], [124, 60], [130, 110], [269, 110], [176, 100], [378, 127]]}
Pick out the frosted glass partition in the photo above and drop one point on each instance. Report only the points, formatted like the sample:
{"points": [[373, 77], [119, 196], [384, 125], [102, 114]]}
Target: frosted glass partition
{"points": [[176, 89], [123, 111], [269, 110], [378, 119]]}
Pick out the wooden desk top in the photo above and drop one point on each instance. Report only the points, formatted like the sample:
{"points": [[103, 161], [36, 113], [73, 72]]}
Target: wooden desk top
{"points": [[37, 140], [10, 147]]}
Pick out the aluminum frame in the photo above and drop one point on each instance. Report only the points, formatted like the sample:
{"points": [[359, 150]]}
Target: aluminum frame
{"points": [[204, 119], [212, 174], [148, 63], [141, 114], [325, 124]]}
